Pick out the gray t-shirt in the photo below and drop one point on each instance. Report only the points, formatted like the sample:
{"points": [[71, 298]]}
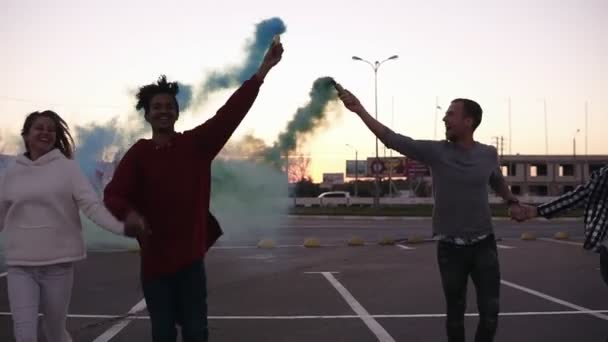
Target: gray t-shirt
{"points": [[460, 182]]}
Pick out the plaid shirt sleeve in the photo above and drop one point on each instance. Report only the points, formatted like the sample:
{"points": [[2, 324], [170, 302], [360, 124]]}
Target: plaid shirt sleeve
{"points": [[596, 216], [593, 194], [570, 200]]}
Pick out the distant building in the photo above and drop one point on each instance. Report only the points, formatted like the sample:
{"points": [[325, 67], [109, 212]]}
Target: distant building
{"points": [[548, 175]]}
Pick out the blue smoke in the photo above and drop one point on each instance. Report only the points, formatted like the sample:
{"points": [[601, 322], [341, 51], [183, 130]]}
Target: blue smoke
{"points": [[92, 143], [94, 140], [184, 97], [255, 50]]}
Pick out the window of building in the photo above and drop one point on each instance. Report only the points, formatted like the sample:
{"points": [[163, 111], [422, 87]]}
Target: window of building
{"points": [[508, 169], [538, 170], [568, 188], [566, 170], [515, 189]]}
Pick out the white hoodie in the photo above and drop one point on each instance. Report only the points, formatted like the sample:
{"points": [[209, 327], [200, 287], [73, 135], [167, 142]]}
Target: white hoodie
{"points": [[39, 210]]}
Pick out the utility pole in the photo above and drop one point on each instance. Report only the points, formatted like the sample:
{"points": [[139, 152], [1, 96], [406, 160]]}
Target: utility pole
{"points": [[510, 131], [586, 128]]}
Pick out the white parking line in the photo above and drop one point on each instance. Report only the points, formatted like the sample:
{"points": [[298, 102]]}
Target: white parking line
{"points": [[438, 315], [304, 317], [381, 334], [116, 328], [505, 247], [404, 247], [555, 300], [572, 243]]}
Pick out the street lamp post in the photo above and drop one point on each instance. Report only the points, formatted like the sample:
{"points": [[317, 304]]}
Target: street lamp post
{"points": [[546, 129], [356, 169], [375, 66]]}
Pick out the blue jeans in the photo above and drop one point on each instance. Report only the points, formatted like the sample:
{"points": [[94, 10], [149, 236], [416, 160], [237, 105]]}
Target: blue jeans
{"points": [[178, 299], [480, 262]]}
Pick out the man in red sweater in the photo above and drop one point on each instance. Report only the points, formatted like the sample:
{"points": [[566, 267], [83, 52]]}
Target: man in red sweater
{"points": [[165, 182]]}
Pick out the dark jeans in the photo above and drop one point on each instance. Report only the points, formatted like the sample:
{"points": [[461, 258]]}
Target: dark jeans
{"points": [[604, 264], [480, 261], [179, 298]]}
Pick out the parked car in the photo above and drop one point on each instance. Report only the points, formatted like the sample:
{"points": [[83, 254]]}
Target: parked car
{"points": [[334, 198]]}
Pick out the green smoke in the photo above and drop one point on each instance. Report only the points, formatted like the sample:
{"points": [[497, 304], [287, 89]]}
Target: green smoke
{"points": [[305, 121], [249, 198], [249, 184]]}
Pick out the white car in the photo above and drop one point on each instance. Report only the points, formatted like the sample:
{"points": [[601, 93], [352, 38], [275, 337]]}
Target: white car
{"points": [[334, 198]]}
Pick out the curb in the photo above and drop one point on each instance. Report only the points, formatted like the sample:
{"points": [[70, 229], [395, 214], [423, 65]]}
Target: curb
{"points": [[416, 218]]}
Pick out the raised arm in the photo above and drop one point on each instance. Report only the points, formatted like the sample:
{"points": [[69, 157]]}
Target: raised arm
{"points": [[425, 151], [352, 103], [212, 135]]}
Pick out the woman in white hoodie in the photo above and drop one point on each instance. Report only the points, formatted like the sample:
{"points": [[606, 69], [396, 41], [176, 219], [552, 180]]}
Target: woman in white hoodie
{"points": [[41, 194]]}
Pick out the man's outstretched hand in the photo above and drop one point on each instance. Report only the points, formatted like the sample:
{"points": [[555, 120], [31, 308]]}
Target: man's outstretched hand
{"points": [[351, 102]]}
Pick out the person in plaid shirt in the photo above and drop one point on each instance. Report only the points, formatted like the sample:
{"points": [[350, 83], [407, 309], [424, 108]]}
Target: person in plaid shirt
{"points": [[593, 197]]}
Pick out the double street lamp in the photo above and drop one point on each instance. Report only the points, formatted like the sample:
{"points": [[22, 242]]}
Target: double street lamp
{"points": [[375, 66]]}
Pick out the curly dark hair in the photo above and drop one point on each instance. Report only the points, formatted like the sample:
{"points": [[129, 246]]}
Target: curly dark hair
{"points": [[64, 141], [147, 92]]}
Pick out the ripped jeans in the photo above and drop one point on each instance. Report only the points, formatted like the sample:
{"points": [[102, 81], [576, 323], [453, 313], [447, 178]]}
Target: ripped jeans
{"points": [[480, 261]]}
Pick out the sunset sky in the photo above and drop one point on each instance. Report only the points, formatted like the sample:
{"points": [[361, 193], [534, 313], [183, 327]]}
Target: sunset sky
{"points": [[83, 59]]}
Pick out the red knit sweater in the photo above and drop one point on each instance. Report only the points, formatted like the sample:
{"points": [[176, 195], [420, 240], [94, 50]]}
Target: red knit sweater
{"points": [[170, 187]]}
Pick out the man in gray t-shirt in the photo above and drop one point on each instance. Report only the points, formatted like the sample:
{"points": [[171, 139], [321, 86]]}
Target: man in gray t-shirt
{"points": [[461, 169]]}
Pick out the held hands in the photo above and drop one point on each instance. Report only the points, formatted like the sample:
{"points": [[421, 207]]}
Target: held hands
{"points": [[135, 226], [273, 57], [522, 212]]}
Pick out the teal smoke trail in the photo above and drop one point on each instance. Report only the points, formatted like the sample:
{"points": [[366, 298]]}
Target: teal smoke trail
{"points": [[306, 119], [254, 49]]}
